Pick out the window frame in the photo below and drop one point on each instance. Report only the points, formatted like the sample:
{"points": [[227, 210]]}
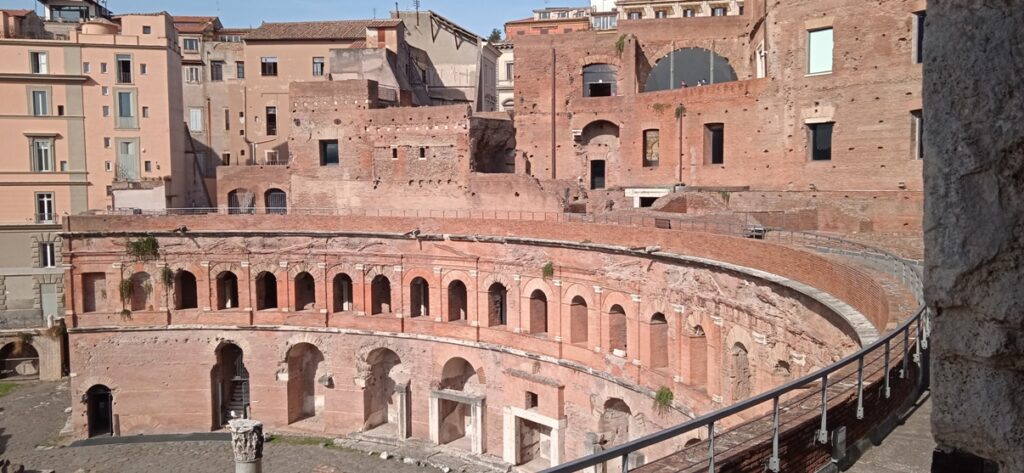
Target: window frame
{"points": [[39, 66], [122, 74], [711, 144], [47, 254], [193, 125], [39, 109], [920, 21], [816, 131], [324, 144], [268, 66], [193, 75], [38, 164], [648, 150], [271, 125], [240, 69], [185, 43], [216, 71], [46, 206], [917, 126], [323, 66], [811, 50]]}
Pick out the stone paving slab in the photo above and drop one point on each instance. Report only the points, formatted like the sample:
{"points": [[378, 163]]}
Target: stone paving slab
{"points": [[908, 449]]}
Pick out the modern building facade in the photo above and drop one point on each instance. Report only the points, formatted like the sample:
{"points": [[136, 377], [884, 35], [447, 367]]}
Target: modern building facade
{"points": [[92, 117]]}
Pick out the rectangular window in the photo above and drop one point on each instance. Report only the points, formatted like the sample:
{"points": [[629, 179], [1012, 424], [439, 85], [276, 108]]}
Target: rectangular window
{"points": [[318, 66], [86, 68], [240, 70], [635, 15], [917, 123], [394, 153], [651, 147], [329, 153], [126, 110], [195, 120], [217, 71], [268, 66], [124, 69], [145, 112], [103, 68], [39, 63], [47, 255], [127, 161], [718, 11], [147, 30], [63, 166], [820, 140], [44, 208], [40, 103], [106, 110], [271, 157], [271, 121], [819, 51], [106, 143], [60, 110], [423, 153], [510, 70], [688, 13], [143, 69], [193, 74], [919, 24], [191, 44], [105, 90], [714, 143], [147, 166], [42, 155], [225, 159], [227, 119], [661, 14], [108, 166]]}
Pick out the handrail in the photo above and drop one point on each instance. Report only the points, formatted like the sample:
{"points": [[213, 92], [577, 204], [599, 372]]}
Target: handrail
{"points": [[707, 421]]}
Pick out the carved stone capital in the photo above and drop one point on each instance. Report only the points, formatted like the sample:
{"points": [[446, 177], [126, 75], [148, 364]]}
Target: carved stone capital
{"points": [[246, 440]]}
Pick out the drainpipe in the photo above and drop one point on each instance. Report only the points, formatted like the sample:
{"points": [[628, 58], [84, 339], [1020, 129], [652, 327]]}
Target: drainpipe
{"points": [[554, 147], [682, 114]]}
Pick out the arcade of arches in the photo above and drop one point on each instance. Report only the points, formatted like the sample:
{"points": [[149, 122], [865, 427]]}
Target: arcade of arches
{"points": [[326, 342]]}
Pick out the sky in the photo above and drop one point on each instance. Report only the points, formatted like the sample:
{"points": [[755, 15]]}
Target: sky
{"points": [[479, 16]]}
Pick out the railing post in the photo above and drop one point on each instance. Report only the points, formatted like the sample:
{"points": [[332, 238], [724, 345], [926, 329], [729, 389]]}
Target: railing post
{"points": [[625, 463], [906, 353], [887, 391], [860, 388], [823, 431], [917, 346], [711, 447], [773, 462]]}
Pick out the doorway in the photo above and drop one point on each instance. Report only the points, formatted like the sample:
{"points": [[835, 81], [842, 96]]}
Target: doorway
{"points": [[100, 411], [597, 174]]}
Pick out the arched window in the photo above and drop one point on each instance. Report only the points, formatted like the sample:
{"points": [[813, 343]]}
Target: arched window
{"points": [[659, 341], [185, 291], [19, 360], [739, 372], [142, 288], [227, 291], [457, 301], [241, 201], [276, 201], [380, 295], [230, 381], [599, 80], [419, 298], [266, 291], [342, 293], [578, 323], [617, 331], [689, 67], [305, 291], [497, 305], [538, 312], [99, 411], [698, 357], [304, 361]]}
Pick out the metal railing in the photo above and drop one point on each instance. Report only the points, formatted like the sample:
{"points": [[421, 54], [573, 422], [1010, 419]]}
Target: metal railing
{"points": [[843, 379], [910, 342]]}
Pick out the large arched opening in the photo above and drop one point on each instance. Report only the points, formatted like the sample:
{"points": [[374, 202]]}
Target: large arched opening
{"points": [[618, 332], [740, 377], [455, 417], [658, 341], [276, 201], [305, 292], [457, 301], [578, 324], [304, 362], [538, 312], [380, 295], [497, 305], [230, 384], [227, 291], [419, 298], [342, 293], [185, 291], [266, 291], [19, 360], [689, 67], [383, 395], [99, 411], [599, 144]]}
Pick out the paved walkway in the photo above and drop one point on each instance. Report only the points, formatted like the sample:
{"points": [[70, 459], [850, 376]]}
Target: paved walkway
{"points": [[32, 416], [908, 449]]}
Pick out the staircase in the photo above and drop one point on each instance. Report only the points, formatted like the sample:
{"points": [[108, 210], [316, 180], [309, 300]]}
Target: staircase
{"points": [[238, 404]]}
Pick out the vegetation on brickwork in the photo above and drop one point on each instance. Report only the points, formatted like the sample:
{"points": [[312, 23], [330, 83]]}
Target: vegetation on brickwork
{"points": [[299, 440], [143, 248], [680, 111], [167, 276], [56, 331], [23, 340], [126, 314], [548, 270], [620, 45], [6, 388], [660, 107], [725, 195], [126, 289], [663, 398]]}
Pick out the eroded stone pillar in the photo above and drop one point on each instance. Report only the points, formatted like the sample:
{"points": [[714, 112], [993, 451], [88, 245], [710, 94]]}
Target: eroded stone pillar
{"points": [[247, 444], [402, 398]]}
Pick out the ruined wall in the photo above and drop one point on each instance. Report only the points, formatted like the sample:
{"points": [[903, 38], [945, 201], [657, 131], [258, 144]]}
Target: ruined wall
{"points": [[974, 219]]}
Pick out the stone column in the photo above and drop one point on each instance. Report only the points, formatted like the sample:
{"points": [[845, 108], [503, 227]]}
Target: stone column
{"points": [[247, 444], [402, 393]]}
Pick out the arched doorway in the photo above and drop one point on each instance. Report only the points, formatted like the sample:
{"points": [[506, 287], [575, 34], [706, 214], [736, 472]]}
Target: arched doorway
{"points": [[578, 327], [698, 357], [99, 411], [342, 293], [241, 201], [599, 146], [613, 427], [658, 342], [457, 301], [497, 305], [305, 292], [230, 384], [19, 360], [689, 67], [455, 417], [419, 298], [618, 338], [266, 291], [227, 291], [276, 201], [185, 291], [303, 365], [380, 295], [383, 394], [739, 372], [538, 312]]}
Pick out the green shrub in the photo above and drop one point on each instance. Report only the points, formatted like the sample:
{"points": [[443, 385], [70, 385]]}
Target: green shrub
{"points": [[663, 398], [144, 248]]}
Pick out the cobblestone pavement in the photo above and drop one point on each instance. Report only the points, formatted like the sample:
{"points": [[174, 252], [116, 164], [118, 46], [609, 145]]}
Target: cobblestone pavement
{"points": [[32, 417], [908, 449]]}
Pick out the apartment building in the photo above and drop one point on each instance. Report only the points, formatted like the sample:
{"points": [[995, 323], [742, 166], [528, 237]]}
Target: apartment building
{"points": [[91, 116]]}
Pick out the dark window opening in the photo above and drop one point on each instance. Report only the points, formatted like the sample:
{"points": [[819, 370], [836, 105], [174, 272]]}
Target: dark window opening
{"points": [[532, 400], [652, 145], [271, 121], [217, 71], [597, 174], [821, 141], [423, 153], [599, 80], [714, 143], [124, 69], [268, 66], [918, 126], [919, 23], [647, 202], [394, 153], [240, 70], [329, 153]]}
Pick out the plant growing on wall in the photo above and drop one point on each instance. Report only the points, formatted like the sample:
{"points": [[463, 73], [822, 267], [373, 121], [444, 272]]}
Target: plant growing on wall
{"points": [[548, 270], [663, 398], [126, 289], [23, 340], [167, 276], [56, 331], [620, 45], [660, 107], [680, 111], [144, 248]]}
